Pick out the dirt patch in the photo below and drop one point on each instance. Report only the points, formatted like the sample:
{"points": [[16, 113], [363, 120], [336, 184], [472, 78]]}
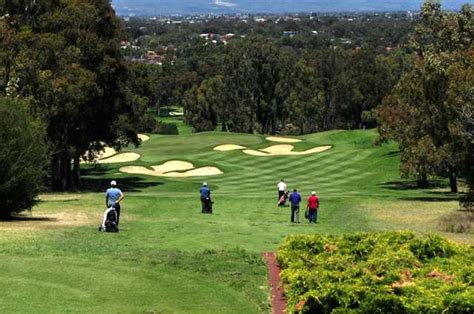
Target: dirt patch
{"points": [[276, 285], [228, 147], [282, 139], [173, 169], [440, 275], [66, 218], [284, 150]]}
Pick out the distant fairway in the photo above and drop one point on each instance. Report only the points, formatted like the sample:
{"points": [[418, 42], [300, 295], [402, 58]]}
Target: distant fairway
{"points": [[169, 258]]}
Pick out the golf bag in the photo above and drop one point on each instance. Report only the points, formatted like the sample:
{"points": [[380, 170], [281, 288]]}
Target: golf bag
{"points": [[109, 223]]}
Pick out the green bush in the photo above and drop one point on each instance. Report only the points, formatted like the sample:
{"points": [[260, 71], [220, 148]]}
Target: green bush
{"points": [[148, 124], [166, 128], [389, 272], [22, 157]]}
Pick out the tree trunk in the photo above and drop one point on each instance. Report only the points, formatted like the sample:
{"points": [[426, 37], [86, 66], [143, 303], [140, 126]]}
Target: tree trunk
{"points": [[422, 180], [453, 182], [77, 172]]}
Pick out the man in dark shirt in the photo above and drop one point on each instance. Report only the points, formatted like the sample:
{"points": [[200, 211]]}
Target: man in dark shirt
{"points": [[205, 193], [295, 200]]}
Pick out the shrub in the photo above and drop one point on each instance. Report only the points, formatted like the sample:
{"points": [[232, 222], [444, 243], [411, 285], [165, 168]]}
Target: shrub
{"points": [[458, 222], [389, 272], [167, 128], [22, 157], [148, 124]]}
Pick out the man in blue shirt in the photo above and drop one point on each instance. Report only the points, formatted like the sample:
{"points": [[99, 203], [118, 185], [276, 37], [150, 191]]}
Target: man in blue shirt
{"points": [[295, 200], [205, 193], [113, 197]]}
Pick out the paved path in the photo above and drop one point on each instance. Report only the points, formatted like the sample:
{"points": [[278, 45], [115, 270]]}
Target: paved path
{"points": [[278, 296]]}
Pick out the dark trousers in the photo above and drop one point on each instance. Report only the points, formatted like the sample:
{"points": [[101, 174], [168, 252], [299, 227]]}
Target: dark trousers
{"points": [[313, 216], [295, 213], [117, 209], [206, 205]]}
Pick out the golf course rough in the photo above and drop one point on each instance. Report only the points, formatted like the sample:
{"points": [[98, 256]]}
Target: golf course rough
{"points": [[173, 169]]}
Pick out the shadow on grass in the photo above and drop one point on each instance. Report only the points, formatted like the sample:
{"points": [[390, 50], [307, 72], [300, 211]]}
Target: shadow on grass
{"points": [[413, 185], [392, 154], [26, 219], [130, 184], [97, 179]]}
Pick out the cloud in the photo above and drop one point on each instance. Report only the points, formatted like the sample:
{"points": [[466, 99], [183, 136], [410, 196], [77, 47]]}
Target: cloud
{"points": [[224, 3]]}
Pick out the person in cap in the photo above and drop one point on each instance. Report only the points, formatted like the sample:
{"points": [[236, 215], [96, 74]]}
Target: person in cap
{"points": [[312, 208], [205, 194], [281, 188], [113, 197]]}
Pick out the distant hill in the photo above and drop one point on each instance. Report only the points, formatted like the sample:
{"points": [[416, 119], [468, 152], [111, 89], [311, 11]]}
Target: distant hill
{"points": [[167, 7]]}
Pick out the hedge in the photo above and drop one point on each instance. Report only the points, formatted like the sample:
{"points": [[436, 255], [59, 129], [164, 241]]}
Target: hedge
{"points": [[389, 272]]}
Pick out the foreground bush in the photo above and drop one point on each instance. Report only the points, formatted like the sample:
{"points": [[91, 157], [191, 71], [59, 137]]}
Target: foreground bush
{"points": [[392, 272], [22, 157]]}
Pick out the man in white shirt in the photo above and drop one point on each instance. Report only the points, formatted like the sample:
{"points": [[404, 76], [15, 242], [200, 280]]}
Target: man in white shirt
{"points": [[281, 188]]}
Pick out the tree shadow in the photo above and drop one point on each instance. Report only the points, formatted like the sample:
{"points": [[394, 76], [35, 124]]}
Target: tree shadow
{"points": [[129, 184], [21, 218], [97, 179], [413, 185], [392, 154]]}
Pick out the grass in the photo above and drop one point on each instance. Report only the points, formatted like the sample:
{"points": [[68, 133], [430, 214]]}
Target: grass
{"points": [[169, 258]]}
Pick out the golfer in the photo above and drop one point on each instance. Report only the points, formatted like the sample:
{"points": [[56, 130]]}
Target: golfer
{"points": [[113, 197], [281, 188], [205, 193], [295, 200], [312, 207]]}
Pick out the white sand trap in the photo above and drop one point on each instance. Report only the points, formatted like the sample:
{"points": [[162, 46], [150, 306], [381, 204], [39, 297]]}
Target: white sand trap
{"points": [[228, 147], [282, 139], [173, 165], [284, 150], [176, 114], [199, 172], [170, 169], [143, 137], [123, 157]]}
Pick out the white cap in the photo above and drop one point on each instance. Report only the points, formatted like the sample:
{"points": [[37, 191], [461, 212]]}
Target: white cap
{"points": [[204, 184], [314, 193], [113, 183]]}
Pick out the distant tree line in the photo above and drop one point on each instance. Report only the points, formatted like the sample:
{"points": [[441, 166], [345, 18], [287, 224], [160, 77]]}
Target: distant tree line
{"points": [[268, 82]]}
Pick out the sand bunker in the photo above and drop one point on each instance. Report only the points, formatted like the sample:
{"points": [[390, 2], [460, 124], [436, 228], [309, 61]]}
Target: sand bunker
{"points": [[123, 157], [228, 147], [282, 139], [284, 150], [143, 137], [171, 169]]}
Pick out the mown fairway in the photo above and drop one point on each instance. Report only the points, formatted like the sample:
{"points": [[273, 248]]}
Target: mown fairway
{"points": [[169, 257]]}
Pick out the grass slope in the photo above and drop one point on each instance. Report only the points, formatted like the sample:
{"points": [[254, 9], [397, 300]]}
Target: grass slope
{"points": [[170, 258]]}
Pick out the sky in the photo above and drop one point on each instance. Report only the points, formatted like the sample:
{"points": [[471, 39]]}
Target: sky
{"points": [[183, 7]]}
